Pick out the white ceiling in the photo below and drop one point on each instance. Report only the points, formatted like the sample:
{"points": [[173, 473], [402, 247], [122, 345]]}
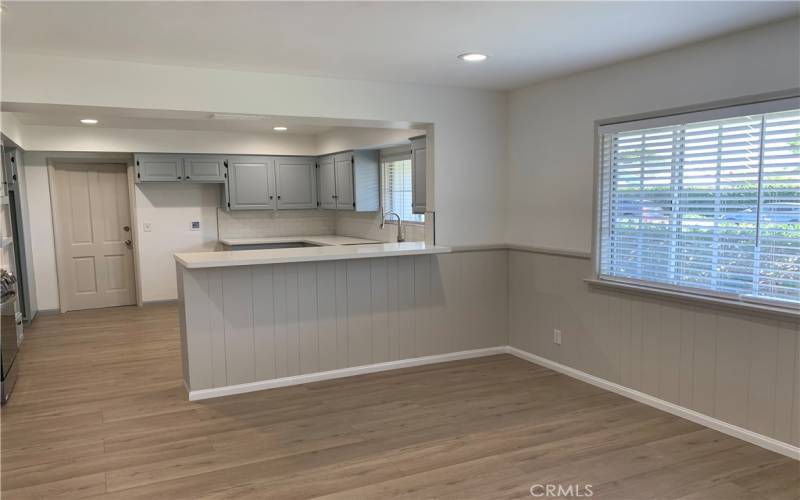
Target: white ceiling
{"points": [[31, 114], [386, 41]]}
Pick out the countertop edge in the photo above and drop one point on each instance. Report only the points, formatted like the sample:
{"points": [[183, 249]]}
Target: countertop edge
{"points": [[259, 261]]}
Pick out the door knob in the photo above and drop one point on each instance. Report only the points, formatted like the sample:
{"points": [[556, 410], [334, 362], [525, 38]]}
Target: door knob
{"points": [[126, 228], [128, 243]]}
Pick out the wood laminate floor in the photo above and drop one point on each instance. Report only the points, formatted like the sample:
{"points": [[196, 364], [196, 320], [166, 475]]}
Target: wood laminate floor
{"points": [[100, 411]]}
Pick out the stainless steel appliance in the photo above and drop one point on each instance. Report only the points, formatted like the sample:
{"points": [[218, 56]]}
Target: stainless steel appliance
{"points": [[10, 333], [10, 313]]}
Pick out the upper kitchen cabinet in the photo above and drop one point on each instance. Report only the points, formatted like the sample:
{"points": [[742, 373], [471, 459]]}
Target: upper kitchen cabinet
{"points": [[159, 168], [296, 183], [251, 183], [345, 199], [204, 168], [419, 153], [350, 181], [179, 168], [326, 180]]}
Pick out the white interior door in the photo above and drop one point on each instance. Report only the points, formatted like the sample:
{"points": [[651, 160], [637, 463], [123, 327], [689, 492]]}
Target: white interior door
{"points": [[92, 214]]}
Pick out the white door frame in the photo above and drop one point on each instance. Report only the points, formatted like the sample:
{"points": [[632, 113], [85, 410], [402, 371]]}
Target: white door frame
{"points": [[127, 162]]}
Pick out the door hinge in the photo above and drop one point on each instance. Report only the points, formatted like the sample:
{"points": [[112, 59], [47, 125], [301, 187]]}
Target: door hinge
{"points": [[225, 174], [317, 203], [226, 163], [354, 204], [229, 204], [137, 163], [138, 175]]}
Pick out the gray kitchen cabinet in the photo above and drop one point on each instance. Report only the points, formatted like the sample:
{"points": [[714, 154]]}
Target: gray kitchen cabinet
{"points": [[159, 167], [296, 185], [345, 196], [251, 183], [326, 182], [418, 174], [204, 168], [350, 181]]}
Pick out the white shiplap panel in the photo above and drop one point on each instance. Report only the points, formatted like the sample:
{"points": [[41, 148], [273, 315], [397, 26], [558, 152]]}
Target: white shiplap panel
{"points": [[405, 308], [279, 293], [359, 312], [704, 363], [687, 355], [787, 384], [669, 380], [341, 315], [292, 321], [380, 310], [237, 296], [264, 322], [217, 326], [733, 367], [423, 344], [308, 328], [326, 315], [393, 316], [762, 376], [197, 319]]}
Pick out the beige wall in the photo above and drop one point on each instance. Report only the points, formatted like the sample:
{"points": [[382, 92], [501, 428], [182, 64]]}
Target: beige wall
{"points": [[551, 124], [735, 366], [470, 125], [742, 368]]}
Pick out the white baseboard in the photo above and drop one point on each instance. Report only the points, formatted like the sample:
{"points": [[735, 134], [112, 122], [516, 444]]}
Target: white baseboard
{"points": [[340, 373], [699, 418]]}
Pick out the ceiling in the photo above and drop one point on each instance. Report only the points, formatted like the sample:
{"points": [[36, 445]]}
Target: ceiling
{"points": [[385, 41], [32, 114]]}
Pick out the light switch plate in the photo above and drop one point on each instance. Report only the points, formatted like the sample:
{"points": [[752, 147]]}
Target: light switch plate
{"points": [[557, 337]]}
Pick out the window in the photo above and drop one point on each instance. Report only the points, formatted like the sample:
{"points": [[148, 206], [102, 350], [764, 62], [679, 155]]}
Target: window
{"points": [[706, 202], [397, 187]]}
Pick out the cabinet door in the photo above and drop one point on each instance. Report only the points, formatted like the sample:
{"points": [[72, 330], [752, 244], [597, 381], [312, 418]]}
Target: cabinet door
{"points": [[327, 183], [159, 168], [296, 183], [344, 182], [418, 193], [251, 183], [204, 168]]}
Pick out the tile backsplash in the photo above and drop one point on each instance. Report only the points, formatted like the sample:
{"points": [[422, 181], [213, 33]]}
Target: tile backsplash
{"points": [[268, 223], [367, 225]]}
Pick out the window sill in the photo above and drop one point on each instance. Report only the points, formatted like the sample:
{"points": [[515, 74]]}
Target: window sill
{"points": [[739, 305]]}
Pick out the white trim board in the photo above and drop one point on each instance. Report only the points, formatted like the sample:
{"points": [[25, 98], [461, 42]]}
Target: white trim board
{"points": [[230, 390], [755, 438]]}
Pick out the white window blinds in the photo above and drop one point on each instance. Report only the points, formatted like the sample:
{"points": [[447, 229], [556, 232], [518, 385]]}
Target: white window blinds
{"points": [[397, 188], [708, 205]]}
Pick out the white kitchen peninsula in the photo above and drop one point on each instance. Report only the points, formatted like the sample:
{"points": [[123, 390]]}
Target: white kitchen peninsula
{"points": [[258, 319]]}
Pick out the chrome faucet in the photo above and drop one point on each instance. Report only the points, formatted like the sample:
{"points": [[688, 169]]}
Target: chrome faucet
{"points": [[400, 238]]}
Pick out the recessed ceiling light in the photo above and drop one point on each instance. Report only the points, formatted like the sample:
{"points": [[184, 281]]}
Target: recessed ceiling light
{"points": [[280, 129], [473, 57], [89, 121]]}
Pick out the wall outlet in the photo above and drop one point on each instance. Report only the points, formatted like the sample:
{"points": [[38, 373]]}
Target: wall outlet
{"points": [[147, 227], [195, 225], [557, 337]]}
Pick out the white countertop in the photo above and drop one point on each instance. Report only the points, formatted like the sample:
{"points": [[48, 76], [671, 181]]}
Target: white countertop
{"points": [[200, 260], [325, 240]]}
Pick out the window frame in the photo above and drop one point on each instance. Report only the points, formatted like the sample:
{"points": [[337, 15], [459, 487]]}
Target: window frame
{"points": [[394, 154], [764, 103]]}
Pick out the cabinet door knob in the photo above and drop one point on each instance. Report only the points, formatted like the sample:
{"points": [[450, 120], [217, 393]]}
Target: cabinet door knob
{"points": [[179, 177]]}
